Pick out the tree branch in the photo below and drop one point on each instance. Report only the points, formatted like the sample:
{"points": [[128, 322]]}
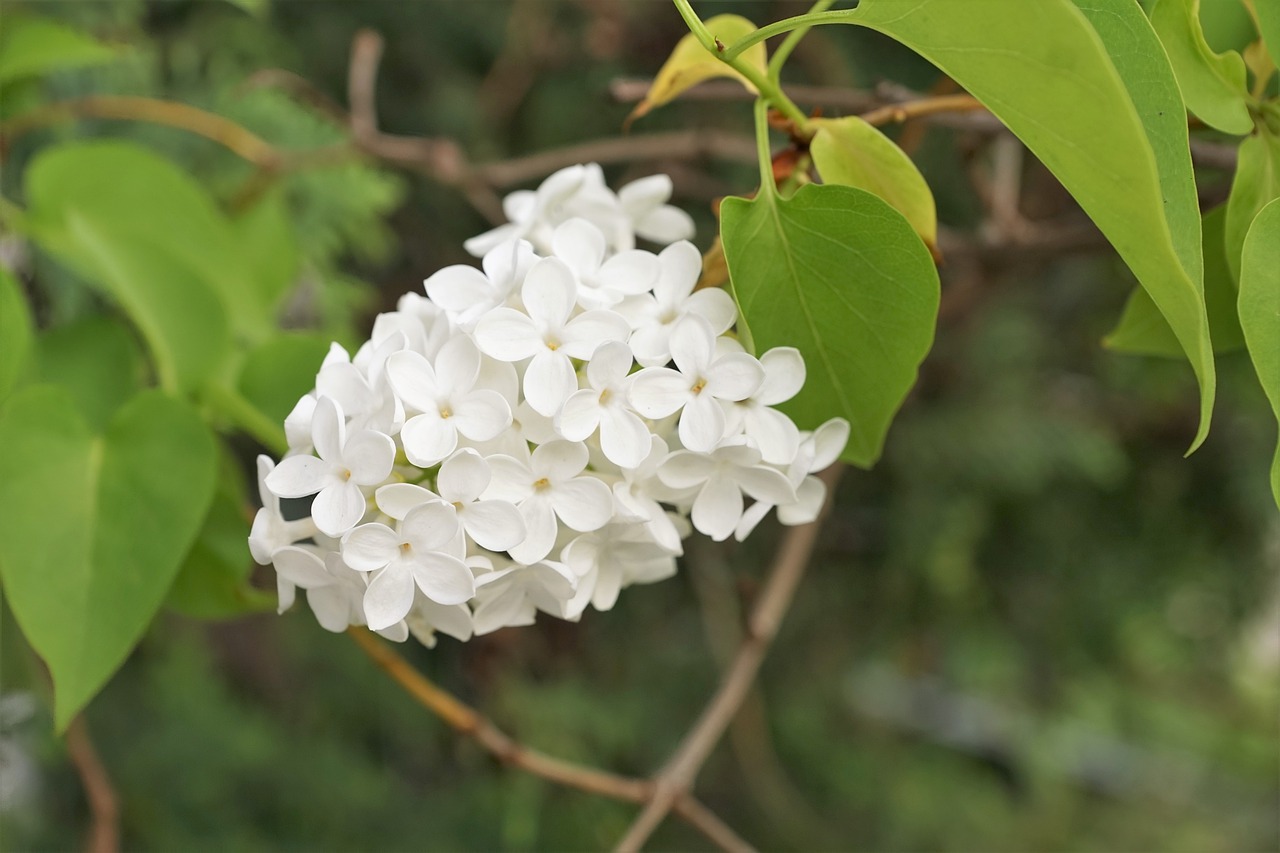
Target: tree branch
{"points": [[104, 831], [677, 777]]}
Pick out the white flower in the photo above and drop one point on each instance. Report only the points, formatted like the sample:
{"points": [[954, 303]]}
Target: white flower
{"points": [[511, 597], [721, 477], [769, 429], [407, 557], [637, 494], [345, 464], [547, 335], [448, 401], [644, 204], [427, 617], [492, 524], [818, 450], [608, 560], [533, 214], [547, 487], [702, 380], [270, 532], [604, 405], [652, 315], [466, 293], [602, 281]]}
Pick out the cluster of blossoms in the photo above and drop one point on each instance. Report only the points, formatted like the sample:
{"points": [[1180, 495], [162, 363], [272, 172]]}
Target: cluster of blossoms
{"points": [[537, 434]]}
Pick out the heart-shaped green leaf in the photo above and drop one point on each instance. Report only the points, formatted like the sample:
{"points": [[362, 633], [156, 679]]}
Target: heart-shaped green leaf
{"points": [[16, 333], [98, 360], [1260, 310], [839, 274], [95, 526]]}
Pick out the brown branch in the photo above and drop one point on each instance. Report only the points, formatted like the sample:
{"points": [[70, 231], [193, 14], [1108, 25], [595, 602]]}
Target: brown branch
{"points": [[169, 113], [676, 778], [925, 106], [468, 722], [104, 831]]}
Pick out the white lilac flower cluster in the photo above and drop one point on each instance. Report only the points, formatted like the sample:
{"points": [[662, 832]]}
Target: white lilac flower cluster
{"points": [[537, 434]]}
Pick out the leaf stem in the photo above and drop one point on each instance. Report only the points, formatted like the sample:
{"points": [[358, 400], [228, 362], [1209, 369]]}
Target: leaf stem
{"points": [[793, 38], [763, 153], [232, 405], [786, 25]]}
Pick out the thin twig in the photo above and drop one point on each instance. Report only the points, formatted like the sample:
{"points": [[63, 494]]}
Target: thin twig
{"points": [[104, 831], [925, 106], [676, 778], [467, 721]]}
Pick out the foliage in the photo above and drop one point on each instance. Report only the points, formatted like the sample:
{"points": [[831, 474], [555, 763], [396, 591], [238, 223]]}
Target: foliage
{"points": [[1026, 535]]}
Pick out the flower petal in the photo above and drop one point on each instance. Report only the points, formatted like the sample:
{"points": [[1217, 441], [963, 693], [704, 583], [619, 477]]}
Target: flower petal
{"points": [[580, 245], [463, 477], [766, 484], [692, 345], [685, 469], [458, 288], [735, 376], [481, 415], [495, 525], [665, 224], [829, 440], [701, 423], [511, 479], [718, 508], [429, 527], [299, 476], [584, 333], [457, 365], [774, 433], [580, 415], [548, 381], [541, 528], [388, 599], [559, 460], [583, 503], [808, 506], [338, 508], [414, 380], [548, 293], [300, 567], [623, 437], [328, 429], [428, 438], [444, 579], [396, 499], [370, 546], [681, 267], [645, 194], [508, 335], [369, 455], [332, 607], [609, 365], [657, 392], [715, 306], [631, 273]]}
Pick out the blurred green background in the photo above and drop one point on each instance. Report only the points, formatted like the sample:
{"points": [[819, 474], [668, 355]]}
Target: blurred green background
{"points": [[1034, 626]]}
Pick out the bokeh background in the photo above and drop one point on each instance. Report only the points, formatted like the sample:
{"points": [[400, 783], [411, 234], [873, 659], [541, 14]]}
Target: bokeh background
{"points": [[1034, 625]]}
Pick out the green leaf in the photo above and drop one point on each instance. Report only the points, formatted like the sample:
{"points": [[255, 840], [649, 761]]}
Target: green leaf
{"points": [[1260, 311], [16, 333], [1268, 12], [1049, 75], [30, 47], [280, 371], [839, 274], [1256, 183], [264, 237], [213, 580], [95, 526], [850, 152], [1142, 329], [182, 321], [140, 195], [97, 360], [1214, 85], [690, 63]]}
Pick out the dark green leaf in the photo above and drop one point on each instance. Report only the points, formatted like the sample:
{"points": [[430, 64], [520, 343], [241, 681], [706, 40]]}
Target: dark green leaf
{"points": [[97, 360], [95, 526], [841, 275], [1213, 85], [1046, 72], [1260, 310], [1143, 330], [15, 333], [213, 580], [280, 371], [30, 47], [264, 237]]}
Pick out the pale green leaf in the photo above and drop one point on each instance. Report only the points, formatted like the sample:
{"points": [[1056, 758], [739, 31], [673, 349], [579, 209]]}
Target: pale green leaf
{"points": [[141, 195], [1214, 85], [1268, 12], [30, 47], [16, 333], [1142, 329], [264, 237], [690, 63], [1256, 183], [1046, 72], [839, 274], [850, 152], [97, 360], [1260, 310], [95, 526]]}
